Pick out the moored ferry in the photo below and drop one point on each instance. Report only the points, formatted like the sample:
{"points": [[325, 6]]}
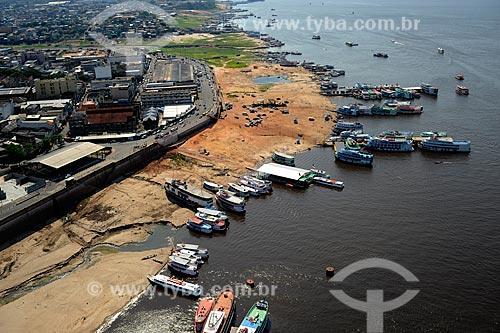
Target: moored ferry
{"points": [[238, 189], [212, 187], [187, 194], [198, 225], [392, 144], [212, 212], [221, 316], [284, 159], [196, 249], [193, 258], [347, 126], [352, 156], [183, 266], [409, 109], [230, 202], [428, 89], [202, 313], [442, 145], [256, 319], [177, 286]]}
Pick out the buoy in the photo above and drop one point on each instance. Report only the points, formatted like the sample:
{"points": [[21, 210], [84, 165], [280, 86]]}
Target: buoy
{"points": [[250, 283], [330, 271]]}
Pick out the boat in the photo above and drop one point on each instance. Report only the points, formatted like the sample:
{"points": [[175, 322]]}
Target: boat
{"points": [[214, 222], [213, 212], [252, 191], [256, 319], [176, 285], [461, 90], [260, 188], [196, 249], [380, 55], [202, 313], [316, 37], [428, 89], [351, 156], [212, 187], [186, 194], [220, 318], [230, 202], [351, 44], [409, 109], [384, 110], [328, 182], [183, 266], [193, 258], [238, 189], [284, 159], [392, 144], [198, 225], [459, 77], [440, 50], [443, 145], [347, 126], [257, 183], [319, 173], [431, 134]]}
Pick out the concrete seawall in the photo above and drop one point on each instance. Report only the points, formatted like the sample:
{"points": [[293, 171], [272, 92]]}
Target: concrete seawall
{"points": [[46, 209]]}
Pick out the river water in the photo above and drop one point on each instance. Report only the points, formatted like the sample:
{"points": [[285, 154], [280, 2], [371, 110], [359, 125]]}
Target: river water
{"points": [[435, 214]]}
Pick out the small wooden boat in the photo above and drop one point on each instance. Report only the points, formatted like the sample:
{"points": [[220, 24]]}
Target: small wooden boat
{"points": [[329, 182], [202, 314]]}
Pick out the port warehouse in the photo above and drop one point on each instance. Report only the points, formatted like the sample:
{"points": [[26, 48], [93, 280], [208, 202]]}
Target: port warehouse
{"points": [[285, 174], [34, 211]]}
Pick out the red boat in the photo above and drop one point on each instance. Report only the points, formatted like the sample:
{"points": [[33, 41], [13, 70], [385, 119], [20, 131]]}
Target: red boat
{"points": [[202, 314]]}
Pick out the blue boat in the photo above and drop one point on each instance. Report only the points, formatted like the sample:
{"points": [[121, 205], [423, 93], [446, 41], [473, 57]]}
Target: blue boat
{"points": [[442, 145], [392, 144], [347, 126], [352, 154], [199, 226], [428, 89]]}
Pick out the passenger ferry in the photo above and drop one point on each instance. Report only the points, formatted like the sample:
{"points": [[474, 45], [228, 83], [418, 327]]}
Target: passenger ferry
{"points": [[409, 109], [186, 194], [284, 159], [392, 144], [213, 212], [229, 201], [428, 89], [238, 189], [183, 266], [196, 249], [177, 286], [198, 225], [193, 258], [261, 182], [347, 126], [256, 319], [329, 182], [441, 145], [354, 157], [212, 187]]}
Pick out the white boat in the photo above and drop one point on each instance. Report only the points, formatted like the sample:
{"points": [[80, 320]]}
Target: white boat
{"points": [[194, 248], [177, 286], [259, 187], [216, 223], [329, 182], [268, 184], [194, 259], [282, 158], [187, 194], [213, 212], [182, 266], [250, 190], [240, 191], [443, 145], [230, 202], [213, 187]]}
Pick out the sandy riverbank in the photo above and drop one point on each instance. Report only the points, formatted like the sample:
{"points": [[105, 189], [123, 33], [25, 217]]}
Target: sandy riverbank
{"points": [[125, 211]]}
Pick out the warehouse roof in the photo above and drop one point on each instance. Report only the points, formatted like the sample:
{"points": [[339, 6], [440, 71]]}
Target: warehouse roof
{"points": [[69, 154], [283, 171]]}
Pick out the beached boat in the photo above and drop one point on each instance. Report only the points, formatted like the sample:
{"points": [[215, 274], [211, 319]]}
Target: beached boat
{"points": [[193, 258], [391, 144], [175, 285], [213, 212], [351, 156], [461, 90], [186, 194], [202, 313], [459, 77], [284, 159], [346, 126], [238, 189], [443, 145], [198, 225], [429, 89], [183, 266], [256, 319], [328, 182], [212, 187], [230, 202], [196, 249], [220, 318]]}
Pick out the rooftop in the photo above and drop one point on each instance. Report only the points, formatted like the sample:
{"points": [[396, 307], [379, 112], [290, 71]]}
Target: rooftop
{"points": [[172, 71], [69, 154], [283, 171]]}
